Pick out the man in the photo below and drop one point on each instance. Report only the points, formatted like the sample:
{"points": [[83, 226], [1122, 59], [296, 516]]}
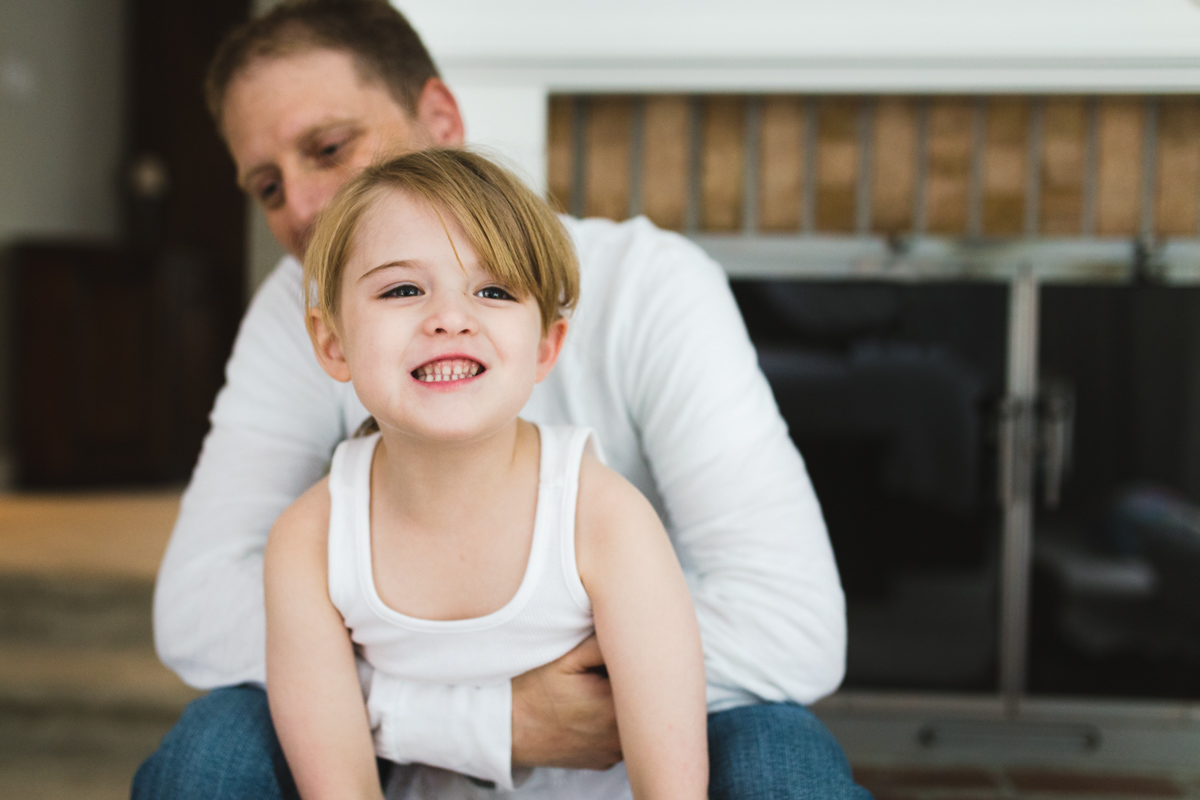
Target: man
{"points": [[657, 361]]}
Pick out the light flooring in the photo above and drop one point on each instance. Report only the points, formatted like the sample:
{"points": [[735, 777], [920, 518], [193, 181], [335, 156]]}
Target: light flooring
{"points": [[83, 697], [108, 534]]}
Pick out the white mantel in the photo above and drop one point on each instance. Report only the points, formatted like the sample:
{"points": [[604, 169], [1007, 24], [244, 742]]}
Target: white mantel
{"points": [[870, 45], [503, 57]]}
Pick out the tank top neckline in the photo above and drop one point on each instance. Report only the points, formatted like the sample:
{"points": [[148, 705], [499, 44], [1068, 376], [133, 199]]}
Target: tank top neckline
{"points": [[364, 560]]}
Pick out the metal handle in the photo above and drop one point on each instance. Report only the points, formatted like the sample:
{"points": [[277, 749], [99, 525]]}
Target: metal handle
{"points": [[1056, 433], [1016, 448]]}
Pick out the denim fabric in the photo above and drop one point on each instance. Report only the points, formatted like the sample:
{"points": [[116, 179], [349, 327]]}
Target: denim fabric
{"points": [[776, 751], [224, 748]]}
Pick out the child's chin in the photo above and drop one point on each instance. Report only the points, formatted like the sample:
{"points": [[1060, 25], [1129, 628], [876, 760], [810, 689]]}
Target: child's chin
{"points": [[456, 432]]}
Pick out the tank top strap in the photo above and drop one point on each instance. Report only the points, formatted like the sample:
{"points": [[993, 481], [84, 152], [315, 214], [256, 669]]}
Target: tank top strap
{"points": [[563, 449], [349, 475]]}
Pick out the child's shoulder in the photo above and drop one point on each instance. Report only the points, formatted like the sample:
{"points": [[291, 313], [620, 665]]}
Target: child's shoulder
{"points": [[604, 491], [610, 515], [296, 559], [304, 525]]}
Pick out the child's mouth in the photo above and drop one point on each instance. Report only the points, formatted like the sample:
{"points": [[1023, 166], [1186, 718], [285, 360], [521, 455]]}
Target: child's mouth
{"points": [[449, 369]]}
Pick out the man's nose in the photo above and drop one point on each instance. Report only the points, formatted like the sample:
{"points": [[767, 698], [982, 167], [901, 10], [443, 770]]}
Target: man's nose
{"points": [[305, 194], [305, 199]]}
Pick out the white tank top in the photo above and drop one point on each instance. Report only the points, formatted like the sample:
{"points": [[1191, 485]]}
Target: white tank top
{"points": [[548, 616]]}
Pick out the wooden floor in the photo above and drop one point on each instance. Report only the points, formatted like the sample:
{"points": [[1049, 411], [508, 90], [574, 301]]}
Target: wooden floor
{"points": [[83, 698], [994, 783], [103, 534]]}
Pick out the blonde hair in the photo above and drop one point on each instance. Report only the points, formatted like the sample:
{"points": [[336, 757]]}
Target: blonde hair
{"points": [[517, 237]]}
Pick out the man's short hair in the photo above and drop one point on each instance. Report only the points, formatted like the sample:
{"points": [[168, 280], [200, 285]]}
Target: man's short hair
{"points": [[384, 46], [517, 237]]}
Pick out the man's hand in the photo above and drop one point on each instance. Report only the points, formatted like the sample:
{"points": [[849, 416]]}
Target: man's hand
{"points": [[563, 713]]}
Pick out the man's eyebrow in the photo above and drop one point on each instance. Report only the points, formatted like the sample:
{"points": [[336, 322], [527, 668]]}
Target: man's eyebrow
{"points": [[307, 136], [304, 139], [244, 178], [402, 264]]}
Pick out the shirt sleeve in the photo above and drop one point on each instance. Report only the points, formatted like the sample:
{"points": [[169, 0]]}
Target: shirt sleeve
{"points": [[739, 504], [464, 729], [274, 427]]}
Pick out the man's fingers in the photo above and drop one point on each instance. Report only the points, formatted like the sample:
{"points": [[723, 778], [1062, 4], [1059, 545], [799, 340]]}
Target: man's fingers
{"points": [[585, 657], [563, 713]]}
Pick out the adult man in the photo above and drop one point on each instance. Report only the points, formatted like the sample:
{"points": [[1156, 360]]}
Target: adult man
{"points": [[657, 361]]}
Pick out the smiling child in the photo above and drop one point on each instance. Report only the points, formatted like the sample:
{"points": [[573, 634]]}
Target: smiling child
{"points": [[459, 544]]}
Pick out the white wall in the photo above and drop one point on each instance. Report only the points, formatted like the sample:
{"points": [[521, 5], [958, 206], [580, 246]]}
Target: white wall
{"points": [[60, 117]]}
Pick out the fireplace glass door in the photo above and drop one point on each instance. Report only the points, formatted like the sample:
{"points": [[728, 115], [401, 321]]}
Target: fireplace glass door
{"points": [[891, 392], [1116, 559]]}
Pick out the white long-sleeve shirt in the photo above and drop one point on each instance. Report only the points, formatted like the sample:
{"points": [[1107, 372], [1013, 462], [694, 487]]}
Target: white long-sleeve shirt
{"points": [[658, 362]]}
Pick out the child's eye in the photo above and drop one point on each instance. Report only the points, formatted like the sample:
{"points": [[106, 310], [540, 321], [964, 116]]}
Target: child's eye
{"points": [[403, 290], [494, 293]]}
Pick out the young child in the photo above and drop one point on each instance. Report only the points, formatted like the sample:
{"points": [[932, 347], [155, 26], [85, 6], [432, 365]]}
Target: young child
{"points": [[460, 544]]}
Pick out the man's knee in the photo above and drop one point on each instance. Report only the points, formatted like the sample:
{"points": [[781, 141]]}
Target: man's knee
{"points": [[779, 751], [224, 746]]}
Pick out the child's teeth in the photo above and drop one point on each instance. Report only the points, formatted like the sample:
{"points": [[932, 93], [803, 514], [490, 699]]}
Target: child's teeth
{"points": [[448, 370]]}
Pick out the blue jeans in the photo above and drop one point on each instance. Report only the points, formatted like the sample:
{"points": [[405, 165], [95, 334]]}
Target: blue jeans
{"points": [[224, 748]]}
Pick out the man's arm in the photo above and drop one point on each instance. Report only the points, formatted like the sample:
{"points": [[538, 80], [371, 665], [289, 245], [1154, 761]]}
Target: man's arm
{"points": [[274, 427], [739, 504]]}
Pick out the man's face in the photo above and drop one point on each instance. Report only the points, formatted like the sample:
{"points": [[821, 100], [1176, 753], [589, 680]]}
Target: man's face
{"points": [[300, 126]]}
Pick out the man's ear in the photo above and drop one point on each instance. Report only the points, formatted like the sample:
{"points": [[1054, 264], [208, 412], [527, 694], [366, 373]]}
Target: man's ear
{"points": [[327, 344], [437, 112], [550, 347]]}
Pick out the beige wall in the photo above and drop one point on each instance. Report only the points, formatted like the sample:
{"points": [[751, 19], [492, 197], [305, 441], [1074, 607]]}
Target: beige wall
{"points": [[61, 112], [262, 251], [60, 117]]}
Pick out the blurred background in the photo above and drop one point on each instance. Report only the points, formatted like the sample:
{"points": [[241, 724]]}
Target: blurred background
{"points": [[965, 237]]}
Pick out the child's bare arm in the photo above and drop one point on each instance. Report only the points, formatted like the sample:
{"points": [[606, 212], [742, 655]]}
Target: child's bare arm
{"points": [[312, 685], [647, 631]]}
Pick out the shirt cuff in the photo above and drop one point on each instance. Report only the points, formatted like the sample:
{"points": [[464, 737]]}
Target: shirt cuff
{"points": [[465, 729]]}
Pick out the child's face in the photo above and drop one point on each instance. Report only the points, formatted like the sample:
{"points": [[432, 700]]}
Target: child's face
{"points": [[436, 349]]}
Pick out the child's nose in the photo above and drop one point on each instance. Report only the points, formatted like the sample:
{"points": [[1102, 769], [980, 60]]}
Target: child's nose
{"points": [[451, 314]]}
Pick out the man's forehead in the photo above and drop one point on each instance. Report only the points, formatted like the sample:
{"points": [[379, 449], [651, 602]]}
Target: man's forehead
{"points": [[336, 65], [301, 91], [294, 103]]}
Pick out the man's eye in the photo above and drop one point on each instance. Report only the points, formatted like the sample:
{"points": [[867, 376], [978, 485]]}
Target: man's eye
{"points": [[494, 293], [332, 151], [403, 290], [268, 194]]}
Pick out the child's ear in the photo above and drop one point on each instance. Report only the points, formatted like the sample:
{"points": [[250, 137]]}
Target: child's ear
{"points": [[328, 347], [550, 347]]}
